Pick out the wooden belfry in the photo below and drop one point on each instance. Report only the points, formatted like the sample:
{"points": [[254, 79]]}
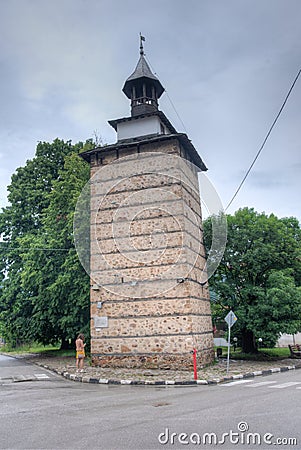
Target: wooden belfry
{"points": [[149, 302]]}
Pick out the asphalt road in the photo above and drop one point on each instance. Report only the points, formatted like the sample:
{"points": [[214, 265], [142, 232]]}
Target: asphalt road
{"points": [[44, 411]]}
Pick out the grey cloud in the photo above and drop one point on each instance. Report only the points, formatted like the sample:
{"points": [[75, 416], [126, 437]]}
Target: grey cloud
{"points": [[226, 66]]}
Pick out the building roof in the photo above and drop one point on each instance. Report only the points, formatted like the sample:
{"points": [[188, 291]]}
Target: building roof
{"points": [[142, 71], [181, 137]]}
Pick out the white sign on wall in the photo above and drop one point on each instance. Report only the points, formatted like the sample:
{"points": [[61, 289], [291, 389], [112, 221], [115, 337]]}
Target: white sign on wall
{"points": [[101, 322]]}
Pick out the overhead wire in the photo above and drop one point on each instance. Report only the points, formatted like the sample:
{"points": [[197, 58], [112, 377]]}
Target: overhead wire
{"points": [[21, 249], [264, 141], [167, 94], [241, 183]]}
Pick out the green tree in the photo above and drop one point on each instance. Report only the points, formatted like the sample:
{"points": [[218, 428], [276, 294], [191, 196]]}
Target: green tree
{"points": [[55, 276], [259, 251], [280, 308], [37, 255]]}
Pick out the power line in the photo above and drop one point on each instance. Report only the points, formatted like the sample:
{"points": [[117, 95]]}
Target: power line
{"points": [[265, 140], [21, 249], [173, 106]]}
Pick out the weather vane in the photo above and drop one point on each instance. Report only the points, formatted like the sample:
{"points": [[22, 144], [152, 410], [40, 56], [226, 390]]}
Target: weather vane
{"points": [[142, 39]]}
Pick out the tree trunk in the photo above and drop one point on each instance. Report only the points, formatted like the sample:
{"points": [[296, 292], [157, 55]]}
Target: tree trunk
{"points": [[248, 342], [65, 344]]}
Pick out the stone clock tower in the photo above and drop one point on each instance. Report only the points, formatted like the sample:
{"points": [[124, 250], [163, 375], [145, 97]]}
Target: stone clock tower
{"points": [[149, 295]]}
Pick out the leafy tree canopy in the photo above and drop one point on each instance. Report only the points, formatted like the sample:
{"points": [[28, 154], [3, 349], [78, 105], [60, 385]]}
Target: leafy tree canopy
{"points": [[44, 294], [259, 275]]}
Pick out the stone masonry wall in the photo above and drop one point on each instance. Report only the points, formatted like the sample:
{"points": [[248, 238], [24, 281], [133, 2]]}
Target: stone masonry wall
{"points": [[149, 305]]}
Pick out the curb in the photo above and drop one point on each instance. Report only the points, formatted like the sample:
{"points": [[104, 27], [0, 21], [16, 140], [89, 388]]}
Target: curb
{"points": [[94, 380]]}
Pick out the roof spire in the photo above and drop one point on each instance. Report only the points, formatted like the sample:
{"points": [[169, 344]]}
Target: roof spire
{"points": [[142, 39], [142, 87]]}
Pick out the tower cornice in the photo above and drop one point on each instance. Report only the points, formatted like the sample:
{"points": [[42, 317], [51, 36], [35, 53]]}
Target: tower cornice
{"points": [[134, 143]]}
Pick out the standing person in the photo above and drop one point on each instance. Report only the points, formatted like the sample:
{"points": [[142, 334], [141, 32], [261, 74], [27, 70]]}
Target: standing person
{"points": [[80, 352]]}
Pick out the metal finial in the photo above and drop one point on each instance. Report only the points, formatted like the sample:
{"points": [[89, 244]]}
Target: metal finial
{"points": [[142, 39]]}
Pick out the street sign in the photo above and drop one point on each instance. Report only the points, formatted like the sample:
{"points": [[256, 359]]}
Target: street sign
{"points": [[230, 319]]}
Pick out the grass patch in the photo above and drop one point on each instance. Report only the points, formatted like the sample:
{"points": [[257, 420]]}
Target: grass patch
{"points": [[251, 356], [28, 348], [277, 352], [43, 350], [59, 353], [263, 354]]}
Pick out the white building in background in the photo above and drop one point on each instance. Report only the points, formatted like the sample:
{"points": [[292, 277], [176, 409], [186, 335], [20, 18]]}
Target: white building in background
{"points": [[287, 339]]}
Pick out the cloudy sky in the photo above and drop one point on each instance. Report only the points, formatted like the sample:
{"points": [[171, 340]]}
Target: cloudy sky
{"points": [[227, 66]]}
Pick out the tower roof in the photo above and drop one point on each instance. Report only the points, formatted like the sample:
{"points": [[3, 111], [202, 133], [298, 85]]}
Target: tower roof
{"points": [[141, 72]]}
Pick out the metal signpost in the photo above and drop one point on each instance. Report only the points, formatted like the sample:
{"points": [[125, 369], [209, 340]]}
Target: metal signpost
{"points": [[230, 319]]}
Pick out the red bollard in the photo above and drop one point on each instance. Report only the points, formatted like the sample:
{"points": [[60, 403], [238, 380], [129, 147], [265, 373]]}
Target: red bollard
{"points": [[195, 372]]}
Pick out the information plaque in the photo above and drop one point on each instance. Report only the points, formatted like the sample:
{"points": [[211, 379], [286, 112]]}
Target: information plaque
{"points": [[101, 322]]}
